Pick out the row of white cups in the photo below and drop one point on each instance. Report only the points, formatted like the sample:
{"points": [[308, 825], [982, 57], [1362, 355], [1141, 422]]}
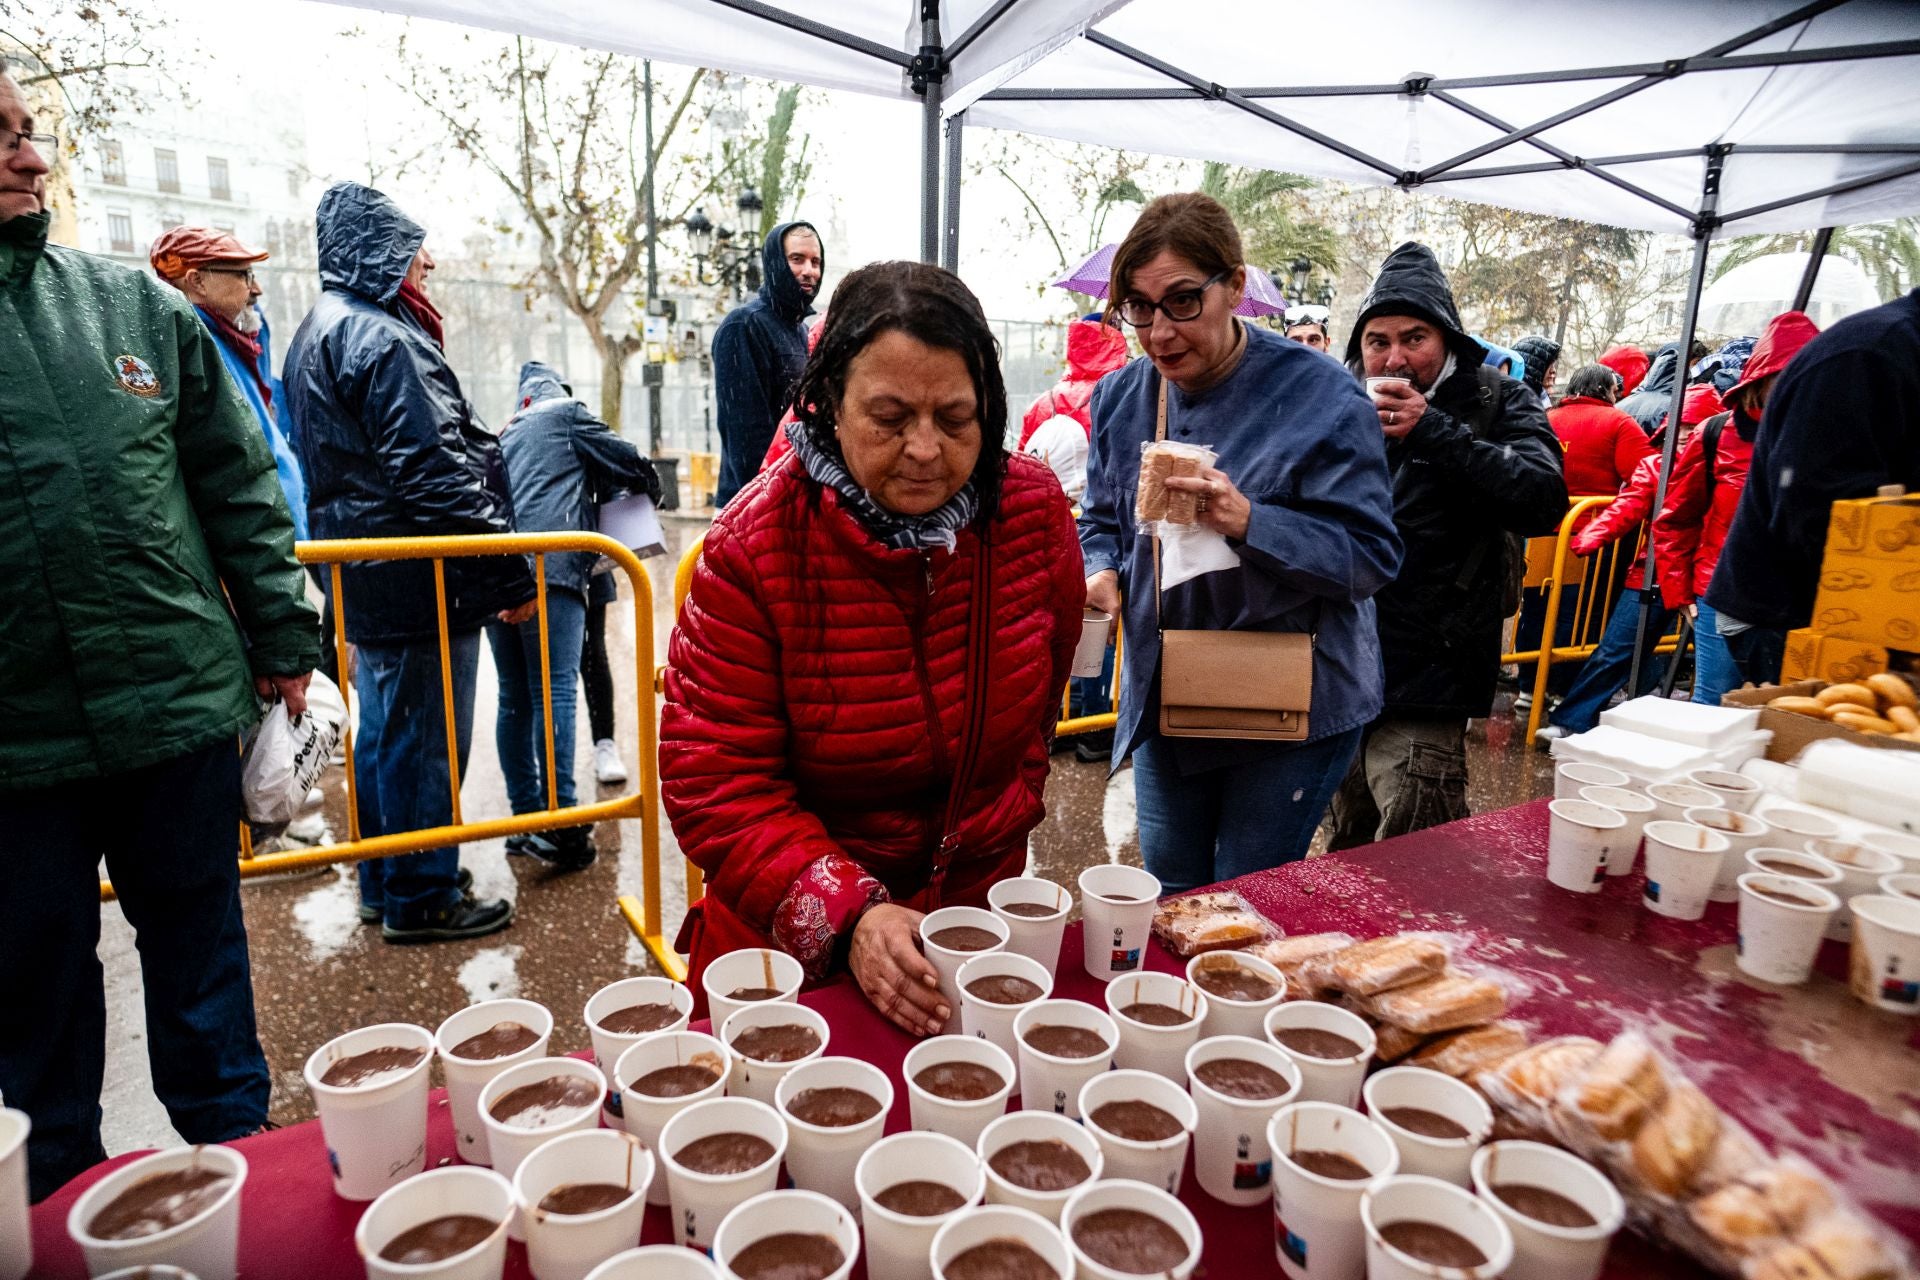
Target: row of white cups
{"points": [[1705, 844]]}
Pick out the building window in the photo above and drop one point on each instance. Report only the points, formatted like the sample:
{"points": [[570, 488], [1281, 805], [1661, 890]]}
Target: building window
{"points": [[120, 230], [113, 164], [171, 218], [166, 169], [217, 184]]}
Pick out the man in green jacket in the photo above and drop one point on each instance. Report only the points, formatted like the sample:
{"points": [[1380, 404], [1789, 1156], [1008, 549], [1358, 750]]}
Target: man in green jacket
{"points": [[149, 593]]}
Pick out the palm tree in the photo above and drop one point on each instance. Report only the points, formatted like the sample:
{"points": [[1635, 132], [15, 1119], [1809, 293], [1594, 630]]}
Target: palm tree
{"points": [[1889, 252], [1267, 207]]}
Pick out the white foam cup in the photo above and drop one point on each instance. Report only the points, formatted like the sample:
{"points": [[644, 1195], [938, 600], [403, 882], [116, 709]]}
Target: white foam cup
{"points": [[1035, 937], [1801, 825], [645, 1115], [754, 1077], [207, 1244], [1580, 840], [148, 1273], [1157, 1163], [946, 961], [1682, 861], [1231, 1160], [822, 1157], [1671, 799], [16, 1240], [566, 1246], [777, 1213], [1743, 831], [438, 1193], [984, 1018], [1036, 1126], [1634, 806], [1901, 884], [1885, 964], [1541, 1250], [1413, 1197], [1146, 1046], [657, 1262], [1736, 791], [1116, 910], [1900, 845], [959, 1120], [1448, 1159], [1052, 1083], [508, 1144], [609, 1045], [1569, 777], [1824, 873], [1123, 1193], [1861, 870], [898, 1244], [466, 1077], [751, 968], [1316, 1219], [1226, 1016], [376, 1133], [1335, 1080], [1375, 386], [964, 1231], [700, 1201], [1090, 655]]}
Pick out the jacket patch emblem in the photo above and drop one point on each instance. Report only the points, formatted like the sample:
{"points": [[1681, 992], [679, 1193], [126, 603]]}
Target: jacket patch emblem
{"points": [[136, 375]]}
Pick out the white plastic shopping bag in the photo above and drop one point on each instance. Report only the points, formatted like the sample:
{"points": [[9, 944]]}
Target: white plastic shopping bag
{"points": [[288, 754]]}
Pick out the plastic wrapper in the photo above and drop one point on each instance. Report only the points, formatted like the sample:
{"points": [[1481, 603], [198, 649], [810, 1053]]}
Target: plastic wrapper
{"points": [[1524, 1085], [1293, 957], [1160, 461], [1202, 922], [1380, 964], [1393, 1043], [1464, 1054], [1446, 1001]]}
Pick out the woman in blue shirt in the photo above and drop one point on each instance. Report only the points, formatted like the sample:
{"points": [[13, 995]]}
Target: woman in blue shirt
{"points": [[1299, 490]]}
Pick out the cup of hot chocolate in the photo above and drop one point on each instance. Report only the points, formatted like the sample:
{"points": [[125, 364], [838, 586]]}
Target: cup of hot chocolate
{"points": [[444, 1224], [1035, 912], [1797, 863], [180, 1206], [1144, 1124], [1330, 1046], [1421, 1228], [475, 1045], [747, 977], [1237, 1084], [1637, 808], [1736, 791], [1036, 1160], [1063, 1044], [716, 1154], [1116, 911], [957, 1085], [1325, 1156], [1381, 387], [952, 936], [1682, 862], [1120, 1229], [1671, 799], [1581, 837], [1562, 1212], [16, 1241], [1436, 1121], [994, 989], [582, 1198], [767, 1041], [1090, 655], [998, 1242], [535, 1102], [1239, 991], [1743, 831], [787, 1235], [370, 1088], [910, 1185], [657, 1262], [620, 1015], [1159, 1016], [1782, 920], [1569, 777], [663, 1075], [835, 1109], [1860, 871]]}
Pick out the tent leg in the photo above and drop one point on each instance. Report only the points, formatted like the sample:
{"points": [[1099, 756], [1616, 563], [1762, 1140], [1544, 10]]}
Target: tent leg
{"points": [[930, 78], [1804, 294], [950, 239]]}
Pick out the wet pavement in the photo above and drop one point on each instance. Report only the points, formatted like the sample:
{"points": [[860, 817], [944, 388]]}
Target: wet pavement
{"points": [[318, 972]]}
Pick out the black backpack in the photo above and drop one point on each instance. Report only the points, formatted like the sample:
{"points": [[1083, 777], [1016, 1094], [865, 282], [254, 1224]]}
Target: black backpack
{"points": [[1512, 547]]}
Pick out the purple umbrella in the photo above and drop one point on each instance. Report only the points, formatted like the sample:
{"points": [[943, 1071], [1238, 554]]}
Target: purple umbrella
{"points": [[1091, 278]]}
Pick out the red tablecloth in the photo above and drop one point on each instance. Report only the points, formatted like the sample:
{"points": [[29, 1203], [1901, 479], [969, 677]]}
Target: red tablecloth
{"points": [[1808, 1069]]}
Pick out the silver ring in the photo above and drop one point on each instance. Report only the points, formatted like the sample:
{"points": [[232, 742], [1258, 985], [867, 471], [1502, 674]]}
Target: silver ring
{"points": [[1393, 417]]}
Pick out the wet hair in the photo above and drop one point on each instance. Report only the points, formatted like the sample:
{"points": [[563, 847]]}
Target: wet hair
{"points": [[1596, 382], [1194, 226], [926, 303]]}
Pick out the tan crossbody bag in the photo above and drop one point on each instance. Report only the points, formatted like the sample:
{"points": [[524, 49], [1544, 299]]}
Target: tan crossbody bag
{"points": [[1256, 685]]}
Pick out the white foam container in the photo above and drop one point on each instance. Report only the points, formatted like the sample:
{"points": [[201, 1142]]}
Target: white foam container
{"points": [[1867, 783], [702, 1201], [1686, 723], [1646, 759]]}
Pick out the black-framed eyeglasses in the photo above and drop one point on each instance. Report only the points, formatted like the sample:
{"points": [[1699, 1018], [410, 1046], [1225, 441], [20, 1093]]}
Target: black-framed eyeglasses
{"points": [[45, 143], [244, 272], [1180, 305]]}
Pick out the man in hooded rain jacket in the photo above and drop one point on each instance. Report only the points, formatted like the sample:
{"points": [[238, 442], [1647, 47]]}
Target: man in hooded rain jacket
{"points": [[150, 594], [759, 350]]}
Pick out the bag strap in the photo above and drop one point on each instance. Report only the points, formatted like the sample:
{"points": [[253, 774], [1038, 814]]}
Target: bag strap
{"points": [[1710, 445], [973, 728], [1159, 434]]}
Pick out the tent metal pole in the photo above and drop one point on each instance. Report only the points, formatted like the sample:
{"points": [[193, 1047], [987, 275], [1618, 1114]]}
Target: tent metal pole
{"points": [[979, 28], [818, 30], [1821, 239], [950, 237], [1838, 188], [929, 74]]}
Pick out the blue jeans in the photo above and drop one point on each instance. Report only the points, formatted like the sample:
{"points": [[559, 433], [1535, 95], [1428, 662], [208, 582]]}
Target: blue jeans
{"points": [[1605, 673], [400, 768], [170, 837], [1206, 827], [520, 724], [1714, 670]]}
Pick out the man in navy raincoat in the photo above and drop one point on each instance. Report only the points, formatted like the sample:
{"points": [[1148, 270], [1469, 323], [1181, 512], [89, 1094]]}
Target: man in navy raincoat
{"points": [[759, 350]]}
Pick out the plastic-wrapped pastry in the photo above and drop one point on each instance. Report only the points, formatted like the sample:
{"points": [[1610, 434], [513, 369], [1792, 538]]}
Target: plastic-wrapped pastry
{"points": [[1463, 1053], [1762, 1208], [1381, 964], [1673, 1145], [1527, 1081], [1160, 460], [1288, 954], [1445, 1002], [1625, 1084], [1393, 1043], [1202, 922], [1837, 1247]]}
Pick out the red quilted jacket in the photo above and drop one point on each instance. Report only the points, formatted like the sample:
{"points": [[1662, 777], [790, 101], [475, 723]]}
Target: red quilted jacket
{"points": [[815, 700]]}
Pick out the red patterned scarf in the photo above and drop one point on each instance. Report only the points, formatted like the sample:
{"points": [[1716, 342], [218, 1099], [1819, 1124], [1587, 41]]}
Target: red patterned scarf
{"points": [[423, 312], [243, 345]]}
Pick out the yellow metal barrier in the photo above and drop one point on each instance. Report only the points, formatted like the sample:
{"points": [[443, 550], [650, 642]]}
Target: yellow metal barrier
{"points": [[642, 804]]}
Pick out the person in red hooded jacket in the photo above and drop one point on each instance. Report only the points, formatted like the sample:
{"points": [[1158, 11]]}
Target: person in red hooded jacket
{"points": [[1094, 350], [1709, 476], [1603, 444], [1631, 363], [866, 671]]}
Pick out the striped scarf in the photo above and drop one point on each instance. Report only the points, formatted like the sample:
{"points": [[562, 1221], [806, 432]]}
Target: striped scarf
{"points": [[939, 528]]}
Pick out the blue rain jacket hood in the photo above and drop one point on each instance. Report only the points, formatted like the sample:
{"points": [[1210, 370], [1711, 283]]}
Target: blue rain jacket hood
{"points": [[759, 350]]}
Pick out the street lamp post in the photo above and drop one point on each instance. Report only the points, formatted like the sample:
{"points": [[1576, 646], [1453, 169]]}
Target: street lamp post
{"points": [[1302, 271], [737, 269]]}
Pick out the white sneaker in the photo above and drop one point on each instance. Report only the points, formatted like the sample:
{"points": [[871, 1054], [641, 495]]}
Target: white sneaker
{"points": [[607, 765], [1546, 735], [314, 799], [308, 827]]}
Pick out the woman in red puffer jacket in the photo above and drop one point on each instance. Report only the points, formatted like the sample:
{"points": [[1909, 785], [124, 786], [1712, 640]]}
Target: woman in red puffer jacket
{"points": [[888, 609]]}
